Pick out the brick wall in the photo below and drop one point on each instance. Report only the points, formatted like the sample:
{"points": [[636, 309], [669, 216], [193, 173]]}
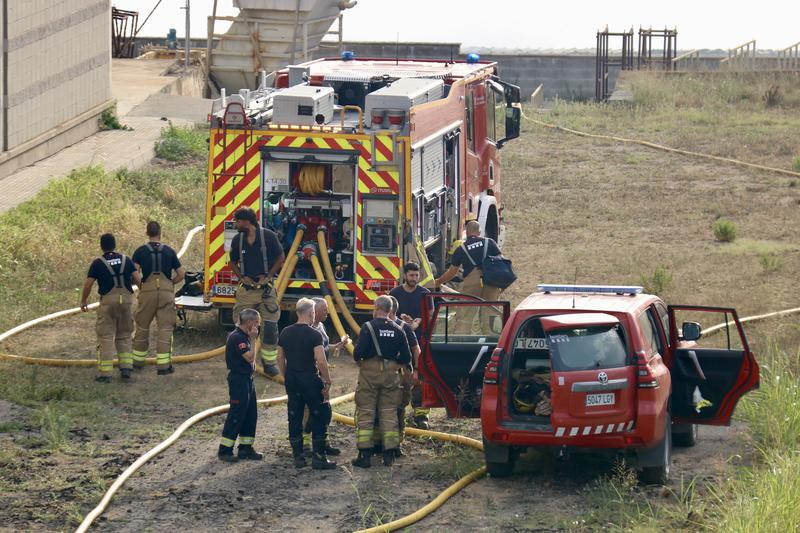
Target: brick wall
{"points": [[58, 63]]}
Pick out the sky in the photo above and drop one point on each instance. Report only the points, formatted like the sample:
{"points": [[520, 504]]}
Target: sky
{"points": [[526, 24]]}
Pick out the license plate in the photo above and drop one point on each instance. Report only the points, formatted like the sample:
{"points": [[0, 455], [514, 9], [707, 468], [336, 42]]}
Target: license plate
{"points": [[224, 289], [607, 398]]}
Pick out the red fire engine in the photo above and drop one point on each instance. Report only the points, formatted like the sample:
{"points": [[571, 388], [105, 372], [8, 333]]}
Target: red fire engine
{"points": [[387, 157]]}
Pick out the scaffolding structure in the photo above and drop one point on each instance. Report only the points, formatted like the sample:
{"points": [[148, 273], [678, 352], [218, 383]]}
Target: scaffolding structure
{"points": [[605, 62], [123, 30], [650, 58]]}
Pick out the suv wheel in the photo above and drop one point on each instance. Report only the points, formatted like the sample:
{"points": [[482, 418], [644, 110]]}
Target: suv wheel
{"points": [[499, 460], [501, 469], [684, 435], [658, 474]]}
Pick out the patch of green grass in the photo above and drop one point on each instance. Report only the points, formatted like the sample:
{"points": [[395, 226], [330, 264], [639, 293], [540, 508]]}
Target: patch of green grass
{"points": [[724, 230], [796, 163], [754, 247], [55, 425], [110, 121], [658, 282], [454, 461], [178, 143], [770, 262]]}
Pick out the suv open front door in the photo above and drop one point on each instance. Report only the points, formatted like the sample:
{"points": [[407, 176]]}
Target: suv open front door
{"points": [[459, 335], [712, 368]]}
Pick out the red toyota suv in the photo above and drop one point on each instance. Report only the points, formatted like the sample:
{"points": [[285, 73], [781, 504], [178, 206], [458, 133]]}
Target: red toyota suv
{"points": [[585, 367]]}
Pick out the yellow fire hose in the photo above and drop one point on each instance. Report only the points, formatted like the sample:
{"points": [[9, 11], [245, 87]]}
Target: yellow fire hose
{"points": [[285, 273], [326, 262], [663, 148], [288, 266], [97, 511], [337, 323]]}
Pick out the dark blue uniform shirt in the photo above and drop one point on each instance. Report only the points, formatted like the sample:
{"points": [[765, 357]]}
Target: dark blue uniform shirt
{"points": [[146, 259], [236, 346], [391, 339], [105, 281], [251, 263], [474, 246]]}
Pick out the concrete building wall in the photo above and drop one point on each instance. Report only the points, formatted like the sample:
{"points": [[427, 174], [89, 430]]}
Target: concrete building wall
{"points": [[58, 56]]}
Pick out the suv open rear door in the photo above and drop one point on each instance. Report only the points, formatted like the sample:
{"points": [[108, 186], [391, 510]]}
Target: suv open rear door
{"points": [[459, 334], [711, 368]]}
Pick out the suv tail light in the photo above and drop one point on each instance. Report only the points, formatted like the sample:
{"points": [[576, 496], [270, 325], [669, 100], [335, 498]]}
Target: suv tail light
{"points": [[490, 375], [644, 372]]}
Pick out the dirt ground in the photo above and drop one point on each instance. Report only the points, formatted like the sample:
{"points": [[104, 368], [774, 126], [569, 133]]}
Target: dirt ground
{"points": [[575, 210]]}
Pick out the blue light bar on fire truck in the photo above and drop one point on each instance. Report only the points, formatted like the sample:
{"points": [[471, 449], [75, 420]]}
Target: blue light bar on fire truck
{"points": [[603, 289]]}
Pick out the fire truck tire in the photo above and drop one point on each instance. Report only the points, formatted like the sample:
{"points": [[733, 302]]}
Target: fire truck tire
{"points": [[655, 463], [684, 435], [499, 460]]}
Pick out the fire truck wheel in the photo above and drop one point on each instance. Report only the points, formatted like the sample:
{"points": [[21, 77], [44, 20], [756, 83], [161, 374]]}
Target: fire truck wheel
{"points": [[657, 473]]}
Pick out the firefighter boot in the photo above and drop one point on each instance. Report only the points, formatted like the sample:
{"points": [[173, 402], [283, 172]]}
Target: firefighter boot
{"points": [[363, 459], [421, 420], [165, 371], [319, 461], [330, 450], [225, 454], [297, 452], [125, 373], [247, 452], [388, 457]]}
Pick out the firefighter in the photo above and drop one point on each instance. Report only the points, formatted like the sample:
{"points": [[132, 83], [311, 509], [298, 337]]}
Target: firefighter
{"points": [[469, 256], [381, 351], [409, 378], [410, 296], [240, 358], [156, 262], [320, 315], [256, 256], [115, 276], [301, 359]]}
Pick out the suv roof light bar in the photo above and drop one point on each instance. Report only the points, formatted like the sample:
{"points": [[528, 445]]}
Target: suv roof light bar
{"points": [[605, 289]]}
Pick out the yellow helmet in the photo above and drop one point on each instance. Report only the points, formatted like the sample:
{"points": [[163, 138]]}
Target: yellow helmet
{"points": [[525, 398]]}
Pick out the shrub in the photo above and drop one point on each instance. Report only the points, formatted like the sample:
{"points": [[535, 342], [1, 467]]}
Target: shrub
{"points": [[770, 262], [724, 230], [110, 121], [181, 143], [658, 282], [55, 426], [773, 96], [796, 163]]}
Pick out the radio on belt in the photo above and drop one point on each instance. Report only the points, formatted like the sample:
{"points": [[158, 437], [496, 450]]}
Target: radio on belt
{"points": [[379, 226]]}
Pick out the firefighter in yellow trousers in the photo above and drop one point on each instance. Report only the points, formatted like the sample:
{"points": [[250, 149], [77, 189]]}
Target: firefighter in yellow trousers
{"points": [[381, 352], [115, 276], [156, 263]]}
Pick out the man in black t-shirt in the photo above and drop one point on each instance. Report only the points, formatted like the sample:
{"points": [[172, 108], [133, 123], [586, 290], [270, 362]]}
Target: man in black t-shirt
{"points": [[115, 276], [469, 256], [240, 357], [410, 296], [156, 262], [302, 362], [256, 256]]}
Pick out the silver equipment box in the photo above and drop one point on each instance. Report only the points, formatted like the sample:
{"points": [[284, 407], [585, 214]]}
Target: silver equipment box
{"points": [[304, 105], [405, 93]]}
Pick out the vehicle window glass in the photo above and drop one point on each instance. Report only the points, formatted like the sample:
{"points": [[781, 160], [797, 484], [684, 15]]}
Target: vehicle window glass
{"points": [[470, 121], [464, 323], [500, 116], [719, 330], [490, 128], [649, 336], [651, 316], [663, 316], [587, 348]]}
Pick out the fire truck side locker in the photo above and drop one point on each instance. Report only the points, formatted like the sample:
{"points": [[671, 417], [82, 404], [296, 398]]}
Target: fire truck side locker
{"points": [[401, 95]]}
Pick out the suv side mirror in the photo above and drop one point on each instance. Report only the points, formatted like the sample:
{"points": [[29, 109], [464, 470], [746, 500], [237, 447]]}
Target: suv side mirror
{"points": [[691, 331]]}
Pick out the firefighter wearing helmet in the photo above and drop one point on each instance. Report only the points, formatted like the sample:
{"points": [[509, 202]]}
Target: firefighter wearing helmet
{"points": [[256, 256]]}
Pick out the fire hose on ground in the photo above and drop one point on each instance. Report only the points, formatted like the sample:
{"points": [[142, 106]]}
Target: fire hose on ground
{"points": [[280, 288]]}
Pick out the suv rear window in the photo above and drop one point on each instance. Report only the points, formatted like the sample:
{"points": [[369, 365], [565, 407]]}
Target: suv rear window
{"points": [[587, 348]]}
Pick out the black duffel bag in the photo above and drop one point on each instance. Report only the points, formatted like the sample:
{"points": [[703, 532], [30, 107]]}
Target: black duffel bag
{"points": [[496, 270]]}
